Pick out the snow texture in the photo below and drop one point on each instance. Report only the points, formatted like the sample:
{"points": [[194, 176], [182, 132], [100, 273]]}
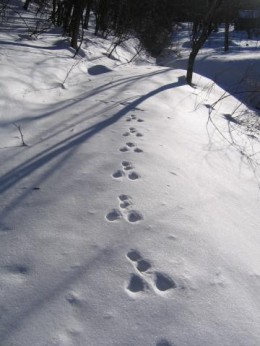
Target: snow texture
{"points": [[127, 218]]}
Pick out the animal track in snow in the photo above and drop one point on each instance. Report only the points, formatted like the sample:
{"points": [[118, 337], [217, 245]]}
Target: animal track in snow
{"points": [[124, 201], [129, 215], [133, 176], [136, 284], [130, 144], [123, 198], [163, 282], [138, 150], [134, 216], [114, 215], [127, 165], [143, 265], [118, 174], [132, 131], [134, 117], [134, 255], [127, 168], [124, 149]]}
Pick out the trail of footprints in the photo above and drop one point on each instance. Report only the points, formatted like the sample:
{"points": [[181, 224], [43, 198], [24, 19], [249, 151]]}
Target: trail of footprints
{"points": [[130, 146], [144, 277], [125, 210]]}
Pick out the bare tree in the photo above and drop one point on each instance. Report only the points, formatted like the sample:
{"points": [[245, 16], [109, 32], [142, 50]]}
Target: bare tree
{"points": [[200, 33], [229, 14]]}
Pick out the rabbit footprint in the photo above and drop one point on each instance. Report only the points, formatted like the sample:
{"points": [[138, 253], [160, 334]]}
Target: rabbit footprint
{"points": [[114, 215], [160, 281], [136, 284]]}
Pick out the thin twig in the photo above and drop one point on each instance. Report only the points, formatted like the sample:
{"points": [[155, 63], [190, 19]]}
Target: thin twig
{"points": [[21, 134], [68, 73]]}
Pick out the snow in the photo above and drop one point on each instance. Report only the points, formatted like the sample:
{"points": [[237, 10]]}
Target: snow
{"points": [[236, 71], [127, 218]]}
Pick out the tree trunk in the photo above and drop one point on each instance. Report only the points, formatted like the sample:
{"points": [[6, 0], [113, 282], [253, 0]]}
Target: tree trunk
{"points": [[75, 23], [53, 14], [87, 14], [191, 62], [226, 40], [196, 46], [26, 5], [203, 35], [67, 8]]}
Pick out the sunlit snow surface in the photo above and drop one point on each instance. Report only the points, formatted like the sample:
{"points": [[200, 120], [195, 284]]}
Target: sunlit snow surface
{"points": [[131, 214]]}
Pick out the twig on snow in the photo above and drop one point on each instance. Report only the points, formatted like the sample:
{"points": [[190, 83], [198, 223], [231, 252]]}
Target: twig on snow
{"points": [[21, 134]]}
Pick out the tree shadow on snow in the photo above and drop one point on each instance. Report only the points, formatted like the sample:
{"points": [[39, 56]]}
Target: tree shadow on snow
{"points": [[65, 148]]}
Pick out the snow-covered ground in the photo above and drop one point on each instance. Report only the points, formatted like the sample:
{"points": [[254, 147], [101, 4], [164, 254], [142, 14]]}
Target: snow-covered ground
{"points": [[131, 215], [237, 71]]}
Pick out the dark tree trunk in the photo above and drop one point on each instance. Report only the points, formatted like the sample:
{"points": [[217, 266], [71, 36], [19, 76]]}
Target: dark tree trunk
{"points": [[87, 14], [226, 39], [53, 14], [60, 14], [196, 46], [101, 16], [201, 37], [26, 5], [75, 23], [67, 9], [191, 62]]}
